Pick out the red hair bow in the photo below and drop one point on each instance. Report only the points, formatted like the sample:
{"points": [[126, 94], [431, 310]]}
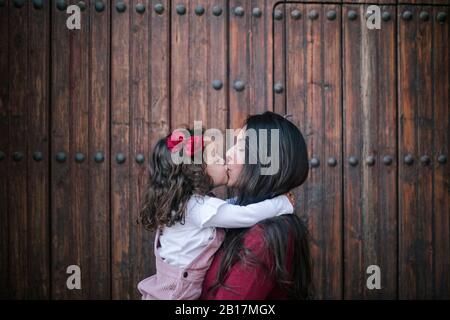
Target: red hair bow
{"points": [[177, 140]]}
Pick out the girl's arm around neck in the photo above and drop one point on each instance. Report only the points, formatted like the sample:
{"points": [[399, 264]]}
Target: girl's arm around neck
{"points": [[214, 212]]}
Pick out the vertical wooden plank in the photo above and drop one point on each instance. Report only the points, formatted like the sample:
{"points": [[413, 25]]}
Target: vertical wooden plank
{"points": [[370, 135], [122, 272], [80, 186], [295, 59], [387, 219], [217, 69], [239, 101], [250, 58], [99, 142], [314, 99], [259, 75], [198, 42], [217, 105], [199, 58], [38, 145], [331, 135], [441, 136], [353, 141], [423, 104], [207, 62], [278, 56], [78, 144], [192, 61], [18, 222], [159, 74], [140, 259], [5, 289], [140, 116], [157, 109], [64, 242], [207, 45], [415, 185], [180, 75], [144, 83]]}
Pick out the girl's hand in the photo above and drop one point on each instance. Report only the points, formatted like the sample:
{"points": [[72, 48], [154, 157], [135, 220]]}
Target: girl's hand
{"points": [[291, 198]]}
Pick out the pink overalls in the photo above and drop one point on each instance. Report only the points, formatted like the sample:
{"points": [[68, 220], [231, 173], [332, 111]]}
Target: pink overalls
{"points": [[175, 283]]}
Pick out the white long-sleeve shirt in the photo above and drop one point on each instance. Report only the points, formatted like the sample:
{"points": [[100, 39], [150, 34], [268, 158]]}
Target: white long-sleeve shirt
{"points": [[181, 243]]}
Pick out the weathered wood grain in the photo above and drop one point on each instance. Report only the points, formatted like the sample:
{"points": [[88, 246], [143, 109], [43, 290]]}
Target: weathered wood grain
{"points": [[370, 128], [278, 52], [423, 254], [18, 211], [79, 120], [5, 285], [38, 141], [313, 63], [441, 144], [99, 141], [122, 272]]}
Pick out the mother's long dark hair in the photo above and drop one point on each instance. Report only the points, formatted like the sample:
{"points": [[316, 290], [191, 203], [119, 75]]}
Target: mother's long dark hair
{"points": [[294, 278]]}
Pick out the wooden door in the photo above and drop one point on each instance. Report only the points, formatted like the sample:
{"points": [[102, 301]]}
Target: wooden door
{"points": [[81, 109]]}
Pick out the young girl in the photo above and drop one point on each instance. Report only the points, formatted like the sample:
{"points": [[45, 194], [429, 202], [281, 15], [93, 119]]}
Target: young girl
{"points": [[187, 218]]}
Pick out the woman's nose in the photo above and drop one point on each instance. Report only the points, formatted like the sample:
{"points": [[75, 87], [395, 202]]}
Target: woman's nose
{"points": [[229, 155]]}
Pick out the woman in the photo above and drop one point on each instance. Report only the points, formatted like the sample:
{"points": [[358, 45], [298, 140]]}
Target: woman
{"points": [[270, 260]]}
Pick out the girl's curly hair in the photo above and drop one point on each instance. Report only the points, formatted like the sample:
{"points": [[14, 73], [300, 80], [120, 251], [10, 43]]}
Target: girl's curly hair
{"points": [[169, 188]]}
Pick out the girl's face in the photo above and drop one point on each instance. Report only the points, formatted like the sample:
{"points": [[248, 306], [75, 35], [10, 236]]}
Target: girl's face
{"points": [[215, 167], [236, 159]]}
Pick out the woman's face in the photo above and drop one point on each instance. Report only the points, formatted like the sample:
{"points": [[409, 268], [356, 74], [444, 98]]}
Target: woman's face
{"points": [[236, 159]]}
